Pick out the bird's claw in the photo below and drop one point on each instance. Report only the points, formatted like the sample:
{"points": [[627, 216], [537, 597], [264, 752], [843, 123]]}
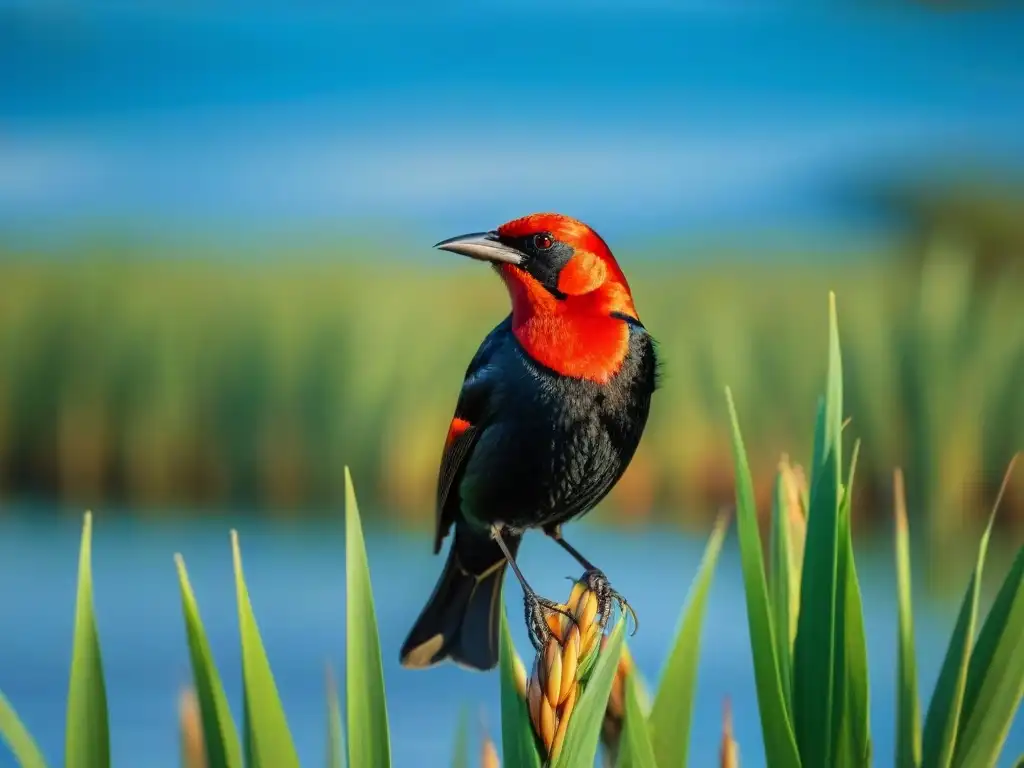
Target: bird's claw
{"points": [[537, 610], [598, 583]]}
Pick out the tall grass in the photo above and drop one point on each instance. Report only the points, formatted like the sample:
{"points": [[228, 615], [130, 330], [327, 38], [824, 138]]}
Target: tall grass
{"points": [[170, 384], [811, 681], [812, 686]]}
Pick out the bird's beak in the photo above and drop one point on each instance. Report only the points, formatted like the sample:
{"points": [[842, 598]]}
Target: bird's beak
{"points": [[482, 245]]}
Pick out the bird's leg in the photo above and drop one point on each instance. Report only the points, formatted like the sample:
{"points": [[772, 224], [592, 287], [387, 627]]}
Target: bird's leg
{"points": [[596, 582], [536, 607]]}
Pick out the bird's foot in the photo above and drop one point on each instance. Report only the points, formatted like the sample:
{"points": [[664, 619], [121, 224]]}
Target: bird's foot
{"points": [[598, 583], [537, 611]]}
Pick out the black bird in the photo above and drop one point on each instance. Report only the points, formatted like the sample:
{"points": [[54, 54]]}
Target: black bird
{"points": [[550, 414]]}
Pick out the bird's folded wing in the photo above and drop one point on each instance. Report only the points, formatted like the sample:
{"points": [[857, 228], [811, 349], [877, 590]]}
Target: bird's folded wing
{"points": [[470, 419], [461, 437]]}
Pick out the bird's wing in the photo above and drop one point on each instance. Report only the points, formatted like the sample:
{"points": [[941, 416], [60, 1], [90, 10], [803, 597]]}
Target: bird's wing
{"points": [[470, 419]]}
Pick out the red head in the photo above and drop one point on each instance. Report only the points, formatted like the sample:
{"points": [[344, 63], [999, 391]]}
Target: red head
{"points": [[551, 263], [569, 297]]}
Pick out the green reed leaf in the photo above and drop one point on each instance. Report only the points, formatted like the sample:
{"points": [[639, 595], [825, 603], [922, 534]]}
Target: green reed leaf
{"points": [[584, 730], [636, 750], [776, 727], [460, 751], [814, 652], [942, 722], [335, 729], [908, 705], [268, 741], [786, 549], [518, 742], [672, 712], [369, 739], [995, 675], [829, 425], [220, 737], [851, 717], [14, 733], [87, 735]]}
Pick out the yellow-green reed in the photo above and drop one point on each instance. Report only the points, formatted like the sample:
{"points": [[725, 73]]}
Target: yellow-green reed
{"points": [[177, 382], [811, 681]]}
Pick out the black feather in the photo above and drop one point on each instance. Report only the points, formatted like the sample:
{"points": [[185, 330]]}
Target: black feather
{"points": [[543, 449]]}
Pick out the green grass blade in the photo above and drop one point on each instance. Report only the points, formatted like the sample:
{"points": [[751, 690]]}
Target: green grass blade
{"points": [[834, 385], [584, 730], [87, 739], [777, 730], [995, 675], [841, 737], [815, 656], [672, 711], [518, 743], [335, 730], [820, 446], [460, 752], [942, 721], [728, 748], [268, 741], [908, 705], [852, 726], [635, 747], [814, 652], [829, 426], [858, 690], [17, 737], [369, 740], [784, 580], [220, 738]]}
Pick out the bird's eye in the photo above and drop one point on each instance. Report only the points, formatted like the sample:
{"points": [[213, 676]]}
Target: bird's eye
{"points": [[542, 242]]}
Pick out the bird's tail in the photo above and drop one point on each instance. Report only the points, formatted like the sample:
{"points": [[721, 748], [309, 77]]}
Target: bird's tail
{"points": [[461, 619]]}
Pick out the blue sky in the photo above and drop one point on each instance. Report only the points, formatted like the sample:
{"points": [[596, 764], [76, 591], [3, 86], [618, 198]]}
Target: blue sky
{"points": [[695, 117]]}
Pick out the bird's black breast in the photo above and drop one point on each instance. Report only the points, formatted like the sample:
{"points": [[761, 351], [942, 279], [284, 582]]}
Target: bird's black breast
{"points": [[555, 445]]}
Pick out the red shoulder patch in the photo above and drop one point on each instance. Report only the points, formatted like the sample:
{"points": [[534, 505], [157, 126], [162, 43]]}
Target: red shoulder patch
{"points": [[457, 427]]}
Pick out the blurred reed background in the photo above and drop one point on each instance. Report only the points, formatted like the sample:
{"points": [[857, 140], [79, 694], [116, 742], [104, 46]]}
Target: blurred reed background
{"points": [[171, 386], [217, 288]]}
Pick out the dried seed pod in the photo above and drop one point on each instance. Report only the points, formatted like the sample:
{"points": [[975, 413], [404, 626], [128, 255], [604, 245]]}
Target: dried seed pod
{"points": [[553, 672], [554, 684], [190, 726], [567, 707], [488, 749], [729, 752], [570, 664]]}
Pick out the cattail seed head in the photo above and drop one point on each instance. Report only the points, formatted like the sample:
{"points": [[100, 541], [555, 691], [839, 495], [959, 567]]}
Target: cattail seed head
{"points": [[488, 749], [729, 751], [489, 754], [190, 727], [562, 666]]}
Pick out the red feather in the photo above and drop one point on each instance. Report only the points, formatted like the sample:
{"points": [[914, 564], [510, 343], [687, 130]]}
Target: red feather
{"points": [[457, 427], [575, 336]]}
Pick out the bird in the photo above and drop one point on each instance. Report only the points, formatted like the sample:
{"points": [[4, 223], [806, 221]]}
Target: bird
{"points": [[550, 414]]}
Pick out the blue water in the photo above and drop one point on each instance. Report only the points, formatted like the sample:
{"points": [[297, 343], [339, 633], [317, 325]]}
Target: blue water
{"points": [[688, 117], [296, 579]]}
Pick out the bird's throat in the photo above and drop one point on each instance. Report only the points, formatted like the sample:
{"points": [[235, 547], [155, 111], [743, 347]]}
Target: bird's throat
{"points": [[575, 336], [585, 347]]}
